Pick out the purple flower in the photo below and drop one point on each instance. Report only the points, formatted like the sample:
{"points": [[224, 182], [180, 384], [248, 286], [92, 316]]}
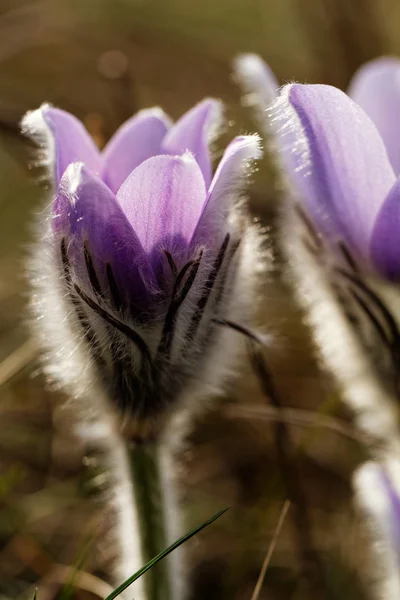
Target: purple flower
{"points": [[147, 240], [342, 157], [340, 224], [342, 175]]}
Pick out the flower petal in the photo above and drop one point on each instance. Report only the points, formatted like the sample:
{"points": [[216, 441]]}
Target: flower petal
{"points": [[192, 132], [256, 78], [226, 188], [135, 141], [64, 139], [335, 158], [376, 88], [163, 199], [87, 214], [385, 247]]}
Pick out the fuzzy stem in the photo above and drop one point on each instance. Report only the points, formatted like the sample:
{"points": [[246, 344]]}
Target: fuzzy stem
{"points": [[108, 474], [149, 501], [172, 513]]}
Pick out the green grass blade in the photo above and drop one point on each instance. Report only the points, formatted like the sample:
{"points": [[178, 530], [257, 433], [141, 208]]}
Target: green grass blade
{"points": [[163, 554]]}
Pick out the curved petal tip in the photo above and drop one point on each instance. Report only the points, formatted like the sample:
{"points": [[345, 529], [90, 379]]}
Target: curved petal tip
{"points": [[63, 138], [256, 77], [227, 186], [136, 140], [194, 131]]}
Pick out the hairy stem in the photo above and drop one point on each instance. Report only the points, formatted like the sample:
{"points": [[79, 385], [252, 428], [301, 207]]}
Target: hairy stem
{"points": [[149, 500]]}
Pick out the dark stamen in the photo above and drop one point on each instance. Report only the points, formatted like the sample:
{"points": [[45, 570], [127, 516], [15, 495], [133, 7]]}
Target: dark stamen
{"points": [[113, 288], [309, 226], [171, 263], [392, 346], [125, 329], [377, 302], [240, 329], [87, 330], [65, 262], [209, 285], [180, 277], [343, 301], [377, 325], [94, 282], [224, 275], [348, 257], [179, 294]]}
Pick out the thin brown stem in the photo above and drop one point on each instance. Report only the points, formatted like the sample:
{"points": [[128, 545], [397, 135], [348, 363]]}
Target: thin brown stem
{"points": [[312, 567], [270, 551], [310, 560]]}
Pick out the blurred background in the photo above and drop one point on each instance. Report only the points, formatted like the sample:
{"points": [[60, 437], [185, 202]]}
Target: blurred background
{"points": [[103, 60]]}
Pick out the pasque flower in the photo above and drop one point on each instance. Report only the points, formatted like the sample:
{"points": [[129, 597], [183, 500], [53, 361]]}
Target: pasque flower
{"points": [[146, 246], [343, 156], [343, 174], [340, 223], [339, 159]]}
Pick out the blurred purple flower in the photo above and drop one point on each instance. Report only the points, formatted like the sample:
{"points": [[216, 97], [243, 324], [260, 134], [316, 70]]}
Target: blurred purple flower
{"points": [[342, 156], [145, 236], [343, 177]]}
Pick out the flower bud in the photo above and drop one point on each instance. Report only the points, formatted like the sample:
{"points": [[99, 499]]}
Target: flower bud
{"points": [[140, 254]]}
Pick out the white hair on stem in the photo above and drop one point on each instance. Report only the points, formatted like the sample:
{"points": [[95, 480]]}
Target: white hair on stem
{"points": [[375, 408], [95, 423], [314, 266], [66, 366]]}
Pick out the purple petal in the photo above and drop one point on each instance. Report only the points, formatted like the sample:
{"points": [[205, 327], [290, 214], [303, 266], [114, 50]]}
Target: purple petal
{"points": [[394, 514], [385, 247], [226, 188], [87, 214], [64, 138], [192, 132], [336, 160], [380, 499], [135, 141], [376, 88], [256, 78], [163, 199]]}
